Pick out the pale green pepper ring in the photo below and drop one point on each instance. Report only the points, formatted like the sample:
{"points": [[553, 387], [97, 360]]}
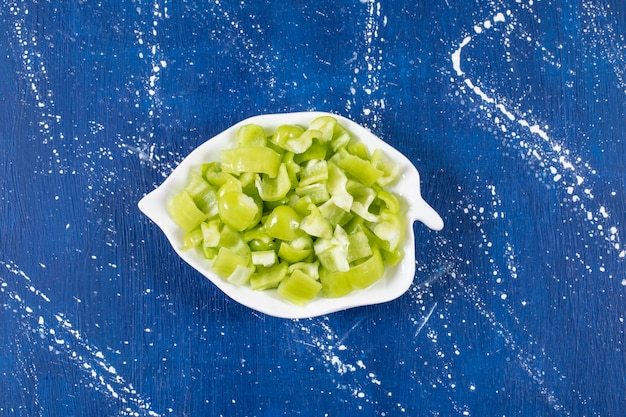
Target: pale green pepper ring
{"points": [[315, 219]]}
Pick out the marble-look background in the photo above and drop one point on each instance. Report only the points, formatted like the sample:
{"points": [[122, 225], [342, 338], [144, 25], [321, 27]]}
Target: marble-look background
{"points": [[512, 110]]}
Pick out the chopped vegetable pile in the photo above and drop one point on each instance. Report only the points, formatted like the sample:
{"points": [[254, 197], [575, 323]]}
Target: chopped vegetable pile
{"points": [[303, 210]]}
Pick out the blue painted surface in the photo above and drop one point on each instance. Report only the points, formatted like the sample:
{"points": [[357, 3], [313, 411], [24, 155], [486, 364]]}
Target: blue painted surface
{"points": [[518, 305]]}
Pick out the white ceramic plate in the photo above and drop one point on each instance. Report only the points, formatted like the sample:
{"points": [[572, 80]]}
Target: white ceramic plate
{"points": [[394, 283]]}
